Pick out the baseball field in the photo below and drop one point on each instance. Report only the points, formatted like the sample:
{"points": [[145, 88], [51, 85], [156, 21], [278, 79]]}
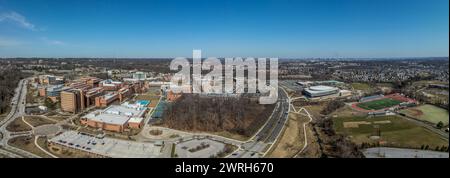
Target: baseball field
{"points": [[394, 131], [428, 113]]}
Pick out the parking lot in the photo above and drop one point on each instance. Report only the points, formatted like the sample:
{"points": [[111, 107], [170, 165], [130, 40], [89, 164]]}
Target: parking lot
{"points": [[182, 149], [107, 146]]}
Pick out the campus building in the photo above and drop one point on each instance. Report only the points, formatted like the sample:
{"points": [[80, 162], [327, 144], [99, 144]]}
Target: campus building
{"points": [[72, 100], [105, 100], [110, 85], [320, 90], [92, 94], [117, 118], [50, 80]]}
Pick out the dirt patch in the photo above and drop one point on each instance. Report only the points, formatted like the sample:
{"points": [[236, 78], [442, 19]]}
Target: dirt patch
{"points": [[382, 122], [292, 139], [415, 112], [355, 124], [47, 130], [18, 126], [27, 143], [38, 121]]}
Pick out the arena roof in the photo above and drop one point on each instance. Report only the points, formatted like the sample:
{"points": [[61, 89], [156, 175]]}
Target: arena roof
{"points": [[321, 88]]}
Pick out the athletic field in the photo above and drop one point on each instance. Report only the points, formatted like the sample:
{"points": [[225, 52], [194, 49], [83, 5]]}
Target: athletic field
{"points": [[428, 113], [394, 131], [379, 104]]}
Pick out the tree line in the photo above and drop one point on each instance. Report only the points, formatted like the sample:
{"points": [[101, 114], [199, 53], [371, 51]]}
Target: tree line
{"points": [[9, 79]]}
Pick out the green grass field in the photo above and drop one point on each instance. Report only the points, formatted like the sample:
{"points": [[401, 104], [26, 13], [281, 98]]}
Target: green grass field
{"points": [[399, 133], [379, 104], [360, 86], [430, 113]]}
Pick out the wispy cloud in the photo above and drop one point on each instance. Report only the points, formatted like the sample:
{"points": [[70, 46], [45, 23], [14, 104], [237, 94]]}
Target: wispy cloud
{"points": [[18, 19], [52, 42]]}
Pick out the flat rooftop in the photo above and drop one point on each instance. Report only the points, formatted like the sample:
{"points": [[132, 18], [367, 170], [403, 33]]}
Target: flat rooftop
{"points": [[109, 147], [98, 116], [115, 114], [136, 119], [123, 110], [109, 95]]}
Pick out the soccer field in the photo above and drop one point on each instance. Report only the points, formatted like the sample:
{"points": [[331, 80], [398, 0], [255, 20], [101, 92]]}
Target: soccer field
{"points": [[379, 104]]}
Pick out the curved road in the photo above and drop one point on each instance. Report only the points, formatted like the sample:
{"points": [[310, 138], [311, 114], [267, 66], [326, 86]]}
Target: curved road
{"points": [[17, 110]]}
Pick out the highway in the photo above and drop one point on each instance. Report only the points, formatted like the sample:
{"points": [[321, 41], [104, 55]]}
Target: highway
{"points": [[268, 134], [17, 109], [256, 146]]}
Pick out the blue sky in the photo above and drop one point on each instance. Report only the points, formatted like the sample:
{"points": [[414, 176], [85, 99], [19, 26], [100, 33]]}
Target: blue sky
{"points": [[224, 28]]}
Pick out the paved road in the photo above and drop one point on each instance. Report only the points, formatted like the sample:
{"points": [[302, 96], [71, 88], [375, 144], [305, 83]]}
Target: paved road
{"points": [[304, 124], [17, 110], [268, 134]]}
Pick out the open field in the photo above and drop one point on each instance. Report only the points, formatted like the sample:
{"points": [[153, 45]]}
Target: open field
{"points": [[37, 121], [27, 143], [231, 135], [388, 85], [347, 111], [379, 104], [58, 118], [384, 152], [18, 126], [398, 133], [425, 82], [360, 86], [428, 113], [292, 140]]}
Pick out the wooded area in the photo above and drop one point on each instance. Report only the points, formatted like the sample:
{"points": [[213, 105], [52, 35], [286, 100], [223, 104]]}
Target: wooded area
{"points": [[238, 115], [9, 80]]}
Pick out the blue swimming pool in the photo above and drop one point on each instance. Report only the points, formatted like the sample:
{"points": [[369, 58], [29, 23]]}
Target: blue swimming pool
{"points": [[143, 102]]}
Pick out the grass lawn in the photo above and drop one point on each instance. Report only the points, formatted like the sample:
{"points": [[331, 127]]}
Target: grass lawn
{"points": [[398, 133], [360, 86], [429, 113], [18, 126], [384, 84], [379, 104], [38, 121], [27, 143], [292, 140]]}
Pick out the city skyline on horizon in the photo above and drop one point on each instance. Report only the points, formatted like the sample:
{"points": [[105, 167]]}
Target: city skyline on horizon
{"points": [[168, 29]]}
